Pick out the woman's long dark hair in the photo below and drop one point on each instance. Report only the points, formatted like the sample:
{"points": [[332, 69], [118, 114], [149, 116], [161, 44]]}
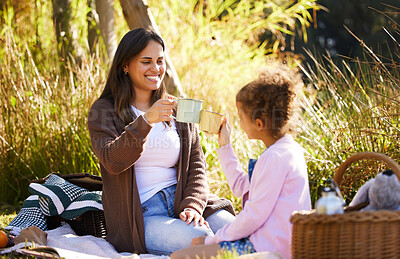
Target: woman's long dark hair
{"points": [[119, 86]]}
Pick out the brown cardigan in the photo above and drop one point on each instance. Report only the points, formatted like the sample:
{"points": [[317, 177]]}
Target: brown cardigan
{"points": [[118, 149]]}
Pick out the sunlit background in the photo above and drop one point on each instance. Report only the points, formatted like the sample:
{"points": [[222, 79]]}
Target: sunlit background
{"points": [[53, 64]]}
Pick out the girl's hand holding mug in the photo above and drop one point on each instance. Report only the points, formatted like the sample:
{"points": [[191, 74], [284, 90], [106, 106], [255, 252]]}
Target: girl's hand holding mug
{"points": [[160, 111], [224, 134]]}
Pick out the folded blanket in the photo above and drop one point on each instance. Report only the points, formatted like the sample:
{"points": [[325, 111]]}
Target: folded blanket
{"points": [[29, 215], [55, 197], [86, 202], [56, 194]]}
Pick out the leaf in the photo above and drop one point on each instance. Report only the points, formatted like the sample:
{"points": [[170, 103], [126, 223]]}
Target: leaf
{"points": [[13, 101]]}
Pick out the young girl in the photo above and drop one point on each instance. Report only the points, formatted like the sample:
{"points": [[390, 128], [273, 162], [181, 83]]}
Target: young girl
{"points": [[277, 185]]}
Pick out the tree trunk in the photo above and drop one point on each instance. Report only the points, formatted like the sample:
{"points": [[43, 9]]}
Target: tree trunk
{"points": [[67, 36], [137, 14], [105, 10], [3, 4], [92, 21]]}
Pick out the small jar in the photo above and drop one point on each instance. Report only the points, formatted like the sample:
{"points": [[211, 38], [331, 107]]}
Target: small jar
{"points": [[329, 203]]}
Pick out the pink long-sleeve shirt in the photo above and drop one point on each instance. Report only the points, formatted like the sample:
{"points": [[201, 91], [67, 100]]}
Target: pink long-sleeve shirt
{"points": [[279, 186]]}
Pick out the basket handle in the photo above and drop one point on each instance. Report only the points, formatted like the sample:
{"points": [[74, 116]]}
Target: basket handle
{"points": [[365, 155]]}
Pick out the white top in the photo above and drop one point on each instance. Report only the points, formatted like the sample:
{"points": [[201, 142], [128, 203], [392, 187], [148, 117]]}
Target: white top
{"points": [[155, 169], [278, 187]]}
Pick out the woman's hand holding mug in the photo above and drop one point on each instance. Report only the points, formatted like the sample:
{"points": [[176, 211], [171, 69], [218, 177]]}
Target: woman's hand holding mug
{"points": [[160, 111]]}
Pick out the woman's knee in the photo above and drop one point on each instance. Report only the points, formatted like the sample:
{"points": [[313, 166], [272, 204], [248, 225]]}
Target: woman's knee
{"points": [[169, 234], [219, 219]]}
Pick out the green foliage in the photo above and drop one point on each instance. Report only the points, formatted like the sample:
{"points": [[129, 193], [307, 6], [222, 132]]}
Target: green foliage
{"points": [[6, 219]]}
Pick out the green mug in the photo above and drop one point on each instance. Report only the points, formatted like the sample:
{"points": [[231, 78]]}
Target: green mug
{"points": [[189, 110]]}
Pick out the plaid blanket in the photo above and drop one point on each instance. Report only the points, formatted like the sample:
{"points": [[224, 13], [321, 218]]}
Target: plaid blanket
{"points": [[55, 197]]}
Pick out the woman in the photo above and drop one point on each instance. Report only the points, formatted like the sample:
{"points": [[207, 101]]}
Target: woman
{"points": [[153, 168]]}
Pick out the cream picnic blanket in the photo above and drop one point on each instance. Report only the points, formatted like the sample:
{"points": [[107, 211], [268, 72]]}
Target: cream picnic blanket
{"points": [[71, 246]]}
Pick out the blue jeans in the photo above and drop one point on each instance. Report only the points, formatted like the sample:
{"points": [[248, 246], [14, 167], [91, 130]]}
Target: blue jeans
{"points": [[164, 233]]}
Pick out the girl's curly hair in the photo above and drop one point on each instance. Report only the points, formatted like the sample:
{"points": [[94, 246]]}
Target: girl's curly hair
{"points": [[272, 97]]}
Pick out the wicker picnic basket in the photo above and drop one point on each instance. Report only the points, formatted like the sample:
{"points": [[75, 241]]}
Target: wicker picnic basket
{"points": [[354, 234], [91, 222]]}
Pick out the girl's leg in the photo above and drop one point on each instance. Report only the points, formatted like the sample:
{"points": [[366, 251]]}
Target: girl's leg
{"points": [[164, 235], [219, 219], [201, 251]]}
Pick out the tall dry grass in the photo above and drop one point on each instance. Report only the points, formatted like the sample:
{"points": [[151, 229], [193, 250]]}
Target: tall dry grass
{"points": [[43, 118], [348, 107], [351, 107], [44, 103], [215, 44]]}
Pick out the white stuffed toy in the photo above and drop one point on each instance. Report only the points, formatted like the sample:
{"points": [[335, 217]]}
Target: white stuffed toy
{"points": [[382, 192]]}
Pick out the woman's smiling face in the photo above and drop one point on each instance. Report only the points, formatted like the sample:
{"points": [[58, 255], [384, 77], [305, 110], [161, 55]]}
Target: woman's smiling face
{"points": [[147, 69]]}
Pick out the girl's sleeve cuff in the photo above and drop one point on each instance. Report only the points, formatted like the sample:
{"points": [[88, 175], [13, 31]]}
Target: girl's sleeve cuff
{"points": [[226, 147], [225, 151]]}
